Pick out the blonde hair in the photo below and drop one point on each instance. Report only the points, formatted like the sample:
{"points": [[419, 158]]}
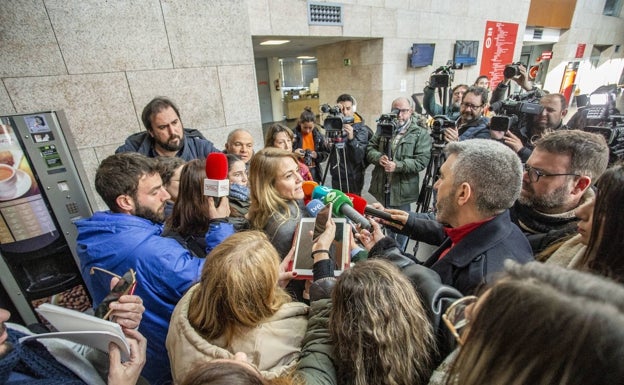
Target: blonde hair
{"points": [[238, 287], [265, 200]]}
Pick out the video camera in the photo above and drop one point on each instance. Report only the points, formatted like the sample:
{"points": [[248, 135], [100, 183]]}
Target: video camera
{"points": [[512, 70], [438, 126], [601, 117], [514, 111], [387, 123], [442, 77], [334, 121]]}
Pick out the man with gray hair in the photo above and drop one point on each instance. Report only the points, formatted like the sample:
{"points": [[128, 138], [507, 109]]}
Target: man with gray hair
{"points": [[479, 181]]}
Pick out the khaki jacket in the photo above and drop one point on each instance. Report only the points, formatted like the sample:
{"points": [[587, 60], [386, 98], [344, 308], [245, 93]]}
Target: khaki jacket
{"points": [[273, 346]]}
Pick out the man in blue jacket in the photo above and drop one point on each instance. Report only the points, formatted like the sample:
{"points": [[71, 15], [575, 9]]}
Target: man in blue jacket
{"points": [[479, 181], [165, 135], [129, 236]]}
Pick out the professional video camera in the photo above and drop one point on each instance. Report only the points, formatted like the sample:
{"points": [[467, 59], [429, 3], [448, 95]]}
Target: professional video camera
{"points": [[512, 70], [513, 112], [442, 77], [602, 117], [438, 126], [334, 121], [613, 131], [387, 123]]}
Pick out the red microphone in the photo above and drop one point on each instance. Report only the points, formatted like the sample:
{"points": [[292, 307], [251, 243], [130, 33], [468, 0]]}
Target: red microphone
{"points": [[216, 183]]}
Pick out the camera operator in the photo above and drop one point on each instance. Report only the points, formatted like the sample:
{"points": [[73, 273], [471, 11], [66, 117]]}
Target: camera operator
{"points": [[347, 165], [409, 151], [310, 143], [521, 139], [471, 123], [453, 112]]}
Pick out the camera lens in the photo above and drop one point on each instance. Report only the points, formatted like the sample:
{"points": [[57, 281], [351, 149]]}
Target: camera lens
{"points": [[511, 70]]}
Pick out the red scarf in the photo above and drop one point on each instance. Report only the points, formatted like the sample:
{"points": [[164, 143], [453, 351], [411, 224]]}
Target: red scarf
{"points": [[458, 233]]}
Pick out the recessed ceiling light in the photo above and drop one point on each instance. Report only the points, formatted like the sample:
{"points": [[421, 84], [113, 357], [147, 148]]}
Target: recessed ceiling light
{"points": [[274, 42], [305, 57]]}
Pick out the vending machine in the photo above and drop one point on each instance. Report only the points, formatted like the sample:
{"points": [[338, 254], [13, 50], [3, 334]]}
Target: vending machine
{"points": [[41, 196]]}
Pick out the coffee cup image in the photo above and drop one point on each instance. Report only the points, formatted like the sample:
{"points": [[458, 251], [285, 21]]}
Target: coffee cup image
{"points": [[8, 181]]}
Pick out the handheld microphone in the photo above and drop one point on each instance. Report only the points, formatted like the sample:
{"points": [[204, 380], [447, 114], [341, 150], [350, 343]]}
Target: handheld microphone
{"points": [[308, 186], [362, 207], [216, 183], [342, 206], [314, 206], [319, 192]]}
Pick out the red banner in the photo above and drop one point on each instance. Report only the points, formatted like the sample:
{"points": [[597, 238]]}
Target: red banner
{"points": [[580, 51], [499, 44]]}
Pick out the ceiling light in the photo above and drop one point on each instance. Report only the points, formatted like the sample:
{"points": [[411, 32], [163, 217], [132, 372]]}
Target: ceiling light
{"points": [[274, 42], [305, 57]]}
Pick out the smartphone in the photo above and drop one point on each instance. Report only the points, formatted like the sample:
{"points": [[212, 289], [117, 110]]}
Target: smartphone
{"points": [[126, 285], [320, 221]]}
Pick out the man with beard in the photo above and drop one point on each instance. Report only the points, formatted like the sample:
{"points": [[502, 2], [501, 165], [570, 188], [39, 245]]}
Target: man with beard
{"points": [[165, 135], [471, 123], [478, 183], [453, 111], [556, 181], [398, 160], [129, 236], [521, 139]]}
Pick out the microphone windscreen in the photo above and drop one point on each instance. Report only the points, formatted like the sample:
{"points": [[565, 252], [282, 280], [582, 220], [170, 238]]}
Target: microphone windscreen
{"points": [[314, 206], [308, 186], [496, 106], [216, 166], [359, 203], [319, 192]]}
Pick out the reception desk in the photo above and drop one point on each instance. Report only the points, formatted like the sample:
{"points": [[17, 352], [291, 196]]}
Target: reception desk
{"points": [[293, 108]]}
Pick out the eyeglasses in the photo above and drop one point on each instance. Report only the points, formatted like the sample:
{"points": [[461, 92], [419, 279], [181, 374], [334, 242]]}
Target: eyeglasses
{"points": [[471, 106], [534, 174], [455, 316]]}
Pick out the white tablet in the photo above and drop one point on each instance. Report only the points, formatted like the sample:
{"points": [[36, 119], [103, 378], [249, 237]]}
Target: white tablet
{"points": [[303, 261]]}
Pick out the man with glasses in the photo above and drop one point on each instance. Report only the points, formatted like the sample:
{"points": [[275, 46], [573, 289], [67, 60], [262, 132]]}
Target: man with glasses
{"points": [[398, 161], [471, 123], [433, 108], [556, 181]]}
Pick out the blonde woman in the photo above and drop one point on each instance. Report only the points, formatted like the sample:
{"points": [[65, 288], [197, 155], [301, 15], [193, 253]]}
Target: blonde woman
{"points": [[238, 306]]}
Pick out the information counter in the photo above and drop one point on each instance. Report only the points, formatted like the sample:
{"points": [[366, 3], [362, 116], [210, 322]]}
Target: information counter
{"points": [[294, 107]]}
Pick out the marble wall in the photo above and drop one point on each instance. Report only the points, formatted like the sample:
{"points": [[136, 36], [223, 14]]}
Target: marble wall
{"points": [[101, 62]]}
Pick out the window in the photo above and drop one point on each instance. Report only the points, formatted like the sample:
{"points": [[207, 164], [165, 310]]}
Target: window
{"points": [[612, 8]]}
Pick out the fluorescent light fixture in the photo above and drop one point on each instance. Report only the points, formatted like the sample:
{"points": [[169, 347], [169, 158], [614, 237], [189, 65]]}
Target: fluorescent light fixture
{"points": [[305, 57], [274, 42]]}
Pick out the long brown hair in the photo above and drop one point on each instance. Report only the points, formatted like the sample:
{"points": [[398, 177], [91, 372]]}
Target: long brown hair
{"points": [[606, 242], [238, 287], [381, 331], [190, 212], [544, 325]]}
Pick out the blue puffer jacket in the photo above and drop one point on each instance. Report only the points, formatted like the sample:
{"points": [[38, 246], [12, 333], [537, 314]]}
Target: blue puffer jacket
{"points": [[164, 272]]}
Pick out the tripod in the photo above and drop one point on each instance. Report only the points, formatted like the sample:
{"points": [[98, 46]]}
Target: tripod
{"points": [[334, 155], [423, 204]]}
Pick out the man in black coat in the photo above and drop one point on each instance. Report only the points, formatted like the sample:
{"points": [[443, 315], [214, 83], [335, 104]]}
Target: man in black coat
{"points": [[478, 183]]}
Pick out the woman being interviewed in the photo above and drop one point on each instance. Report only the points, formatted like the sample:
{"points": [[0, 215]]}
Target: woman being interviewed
{"points": [[276, 196], [238, 306]]}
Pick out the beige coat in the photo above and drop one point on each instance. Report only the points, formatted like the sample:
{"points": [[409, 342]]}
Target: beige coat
{"points": [[273, 346]]}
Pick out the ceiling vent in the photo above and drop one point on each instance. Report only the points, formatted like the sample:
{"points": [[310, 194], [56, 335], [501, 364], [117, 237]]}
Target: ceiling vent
{"points": [[324, 14], [537, 33]]}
